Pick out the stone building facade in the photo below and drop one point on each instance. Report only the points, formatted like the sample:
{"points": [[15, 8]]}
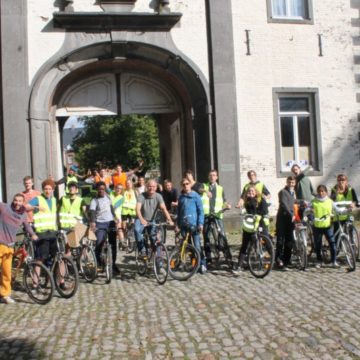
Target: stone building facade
{"points": [[235, 85]]}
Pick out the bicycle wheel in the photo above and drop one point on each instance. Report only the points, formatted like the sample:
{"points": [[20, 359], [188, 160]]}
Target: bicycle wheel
{"points": [[66, 277], [161, 263], [38, 282], [354, 240], [184, 262], [302, 250], [131, 243], [108, 263], [260, 256], [141, 263], [348, 252], [88, 263], [214, 245], [310, 247]]}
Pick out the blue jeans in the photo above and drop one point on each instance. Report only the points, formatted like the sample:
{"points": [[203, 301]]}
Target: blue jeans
{"points": [[195, 234], [101, 232], [329, 234], [139, 229]]}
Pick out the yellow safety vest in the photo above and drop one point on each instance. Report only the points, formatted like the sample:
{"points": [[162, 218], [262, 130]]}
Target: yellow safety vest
{"points": [[251, 223], [117, 202], [259, 186], [70, 179], [45, 220], [322, 213], [342, 198], [129, 205], [70, 212], [219, 202]]}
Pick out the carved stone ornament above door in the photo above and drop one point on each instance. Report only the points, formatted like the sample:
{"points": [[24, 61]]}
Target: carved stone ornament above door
{"points": [[116, 5]]}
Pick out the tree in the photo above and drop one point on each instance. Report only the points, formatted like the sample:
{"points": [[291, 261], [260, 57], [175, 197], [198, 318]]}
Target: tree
{"points": [[109, 140]]}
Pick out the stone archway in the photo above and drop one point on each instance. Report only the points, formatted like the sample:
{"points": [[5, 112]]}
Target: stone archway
{"points": [[143, 80]]}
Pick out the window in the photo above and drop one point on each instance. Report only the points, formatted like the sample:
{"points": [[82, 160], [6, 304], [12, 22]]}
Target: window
{"points": [[297, 128], [290, 11]]}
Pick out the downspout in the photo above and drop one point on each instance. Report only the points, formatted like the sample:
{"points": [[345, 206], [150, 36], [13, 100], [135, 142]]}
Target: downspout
{"points": [[211, 108]]}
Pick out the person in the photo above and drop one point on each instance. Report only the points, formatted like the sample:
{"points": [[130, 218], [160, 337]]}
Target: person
{"points": [[195, 185], [72, 176], [120, 177], [323, 208], [255, 205], [29, 193], [102, 213], [140, 185], [72, 208], [284, 223], [303, 188], [12, 217], [170, 196], [148, 203], [128, 210], [117, 200], [261, 189], [262, 192], [190, 216], [214, 201], [103, 177]]}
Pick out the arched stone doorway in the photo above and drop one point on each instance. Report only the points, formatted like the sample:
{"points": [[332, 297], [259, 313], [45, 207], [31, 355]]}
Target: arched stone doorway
{"points": [[144, 80]]}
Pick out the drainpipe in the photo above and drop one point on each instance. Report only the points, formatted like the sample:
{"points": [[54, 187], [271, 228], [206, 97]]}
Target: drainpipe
{"points": [[211, 108]]}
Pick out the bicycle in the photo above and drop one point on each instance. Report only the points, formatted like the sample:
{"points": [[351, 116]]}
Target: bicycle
{"points": [[63, 269], [184, 259], [36, 278], [84, 257], [217, 242], [155, 253], [129, 243], [343, 243], [260, 252], [300, 248], [106, 258]]}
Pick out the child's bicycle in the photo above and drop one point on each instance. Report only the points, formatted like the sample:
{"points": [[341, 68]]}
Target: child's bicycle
{"points": [[37, 280], [260, 252], [184, 259], [156, 254]]}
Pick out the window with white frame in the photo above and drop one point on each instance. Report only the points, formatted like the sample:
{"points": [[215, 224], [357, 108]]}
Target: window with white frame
{"points": [[290, 9], [297, 130]]}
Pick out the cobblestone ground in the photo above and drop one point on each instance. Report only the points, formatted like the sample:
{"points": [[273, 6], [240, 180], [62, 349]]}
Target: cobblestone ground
{"points": [[287, 315]]}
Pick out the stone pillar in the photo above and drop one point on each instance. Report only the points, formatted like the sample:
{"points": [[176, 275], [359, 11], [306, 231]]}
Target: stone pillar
{"points": [[222, 72], [15, 90], [41, 150]]}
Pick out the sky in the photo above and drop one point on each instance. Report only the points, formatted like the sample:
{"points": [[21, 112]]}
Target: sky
{"points": [[72, 122]]}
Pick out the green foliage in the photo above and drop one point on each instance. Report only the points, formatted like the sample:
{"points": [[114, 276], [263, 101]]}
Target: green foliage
{"points": [[109, 140]]}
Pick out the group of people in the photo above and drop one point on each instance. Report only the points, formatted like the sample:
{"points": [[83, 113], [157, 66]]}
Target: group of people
{"points": [[118, 202]]}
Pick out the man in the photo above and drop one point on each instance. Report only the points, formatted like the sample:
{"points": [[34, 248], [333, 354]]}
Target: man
{"points": [[11, 218], [119, 177], [29, 193], [117, 200], [214, 201], [104, 178], [262, 192], [190, 216], [303, 188], [72, 208], [101, 215], [148, 203], [170, 196], [259, 186], [195, 185], [285, 223], [72, 176], [140, 185]]}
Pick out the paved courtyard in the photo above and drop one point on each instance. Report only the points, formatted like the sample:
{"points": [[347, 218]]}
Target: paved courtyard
{"points": [[288, 315]]}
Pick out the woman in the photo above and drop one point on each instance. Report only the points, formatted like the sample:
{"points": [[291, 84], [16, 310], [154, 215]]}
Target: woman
{"points": [[253, 205]]}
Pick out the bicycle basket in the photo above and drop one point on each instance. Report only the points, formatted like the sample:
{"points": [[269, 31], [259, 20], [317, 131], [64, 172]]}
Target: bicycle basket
{"points": [[251, 223]]}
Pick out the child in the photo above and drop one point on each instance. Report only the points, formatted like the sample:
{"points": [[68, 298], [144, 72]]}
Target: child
{"points": [[254, 205], [323, 208]]}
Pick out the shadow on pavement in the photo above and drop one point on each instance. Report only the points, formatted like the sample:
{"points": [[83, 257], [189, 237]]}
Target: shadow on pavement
{"points": [[17, 348]]}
